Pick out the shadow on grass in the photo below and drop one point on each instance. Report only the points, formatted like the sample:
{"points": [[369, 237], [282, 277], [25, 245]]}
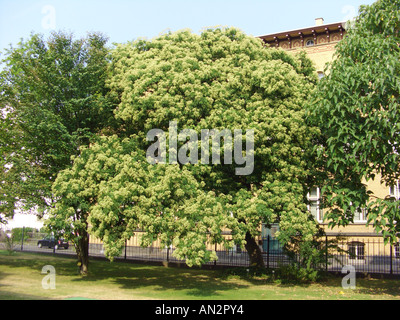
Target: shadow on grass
{"points": [[379, 287], [130, 276], [64, 265], [364, 286], [193, 282], [178, 282], [8, 295]]}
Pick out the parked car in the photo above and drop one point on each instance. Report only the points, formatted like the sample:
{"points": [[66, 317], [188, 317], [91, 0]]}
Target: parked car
{"points": [[51, 242]]}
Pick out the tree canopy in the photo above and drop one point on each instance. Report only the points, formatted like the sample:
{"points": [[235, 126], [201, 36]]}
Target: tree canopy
{"points": [[221, 79], [52, 100], [356, 107]]}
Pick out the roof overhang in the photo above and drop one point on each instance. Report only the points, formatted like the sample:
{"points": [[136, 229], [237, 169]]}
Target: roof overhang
{"points": [[304, 32]]}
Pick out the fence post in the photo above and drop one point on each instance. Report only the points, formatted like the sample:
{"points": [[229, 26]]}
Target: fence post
{"points": [[326, 253], [268, 252], [22, 241], [168, 253], [215, 261], [391, 259], [88, 244], [125, 250]]}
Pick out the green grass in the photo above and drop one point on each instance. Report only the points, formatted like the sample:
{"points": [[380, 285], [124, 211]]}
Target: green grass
{"points": [[21, 279]]}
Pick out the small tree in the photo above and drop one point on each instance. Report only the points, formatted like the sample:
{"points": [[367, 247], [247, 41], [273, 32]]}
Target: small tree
{"points": [[53, 100], [356, 107], [9, 241]]}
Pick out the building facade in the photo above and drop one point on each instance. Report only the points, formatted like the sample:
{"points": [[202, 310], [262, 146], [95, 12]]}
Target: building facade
{"points": [[318, 42]]}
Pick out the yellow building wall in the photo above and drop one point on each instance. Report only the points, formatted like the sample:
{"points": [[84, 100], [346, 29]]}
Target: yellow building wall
{"points": [[321, 54]]}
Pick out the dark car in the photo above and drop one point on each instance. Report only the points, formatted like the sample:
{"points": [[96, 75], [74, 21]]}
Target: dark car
{"points": [[51, 242]]}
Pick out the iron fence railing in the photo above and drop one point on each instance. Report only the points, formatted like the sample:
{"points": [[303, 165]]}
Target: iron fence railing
{"points": [[367, 255]]}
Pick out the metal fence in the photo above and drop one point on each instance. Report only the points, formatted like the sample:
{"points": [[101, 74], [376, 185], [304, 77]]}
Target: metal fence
{"points": [[366, 255]]}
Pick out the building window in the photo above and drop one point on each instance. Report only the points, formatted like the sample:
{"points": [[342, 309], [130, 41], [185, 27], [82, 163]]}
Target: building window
{"points": [[360, 215], [310, 43], [356, 250], [396, 251], [394, 191], [314, 204]]}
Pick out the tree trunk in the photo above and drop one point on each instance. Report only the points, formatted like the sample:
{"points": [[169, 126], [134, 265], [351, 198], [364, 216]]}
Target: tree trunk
{"points": [[254, 251], [83, 253]]}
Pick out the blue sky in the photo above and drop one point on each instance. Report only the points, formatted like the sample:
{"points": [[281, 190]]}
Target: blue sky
{"points": [[126, 20]]}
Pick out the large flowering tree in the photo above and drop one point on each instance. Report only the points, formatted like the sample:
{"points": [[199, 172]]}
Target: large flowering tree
{"points": [[221, 79]]}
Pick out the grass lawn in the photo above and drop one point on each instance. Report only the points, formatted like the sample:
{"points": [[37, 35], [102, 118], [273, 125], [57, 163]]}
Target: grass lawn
{"points": [[21, 279]]}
